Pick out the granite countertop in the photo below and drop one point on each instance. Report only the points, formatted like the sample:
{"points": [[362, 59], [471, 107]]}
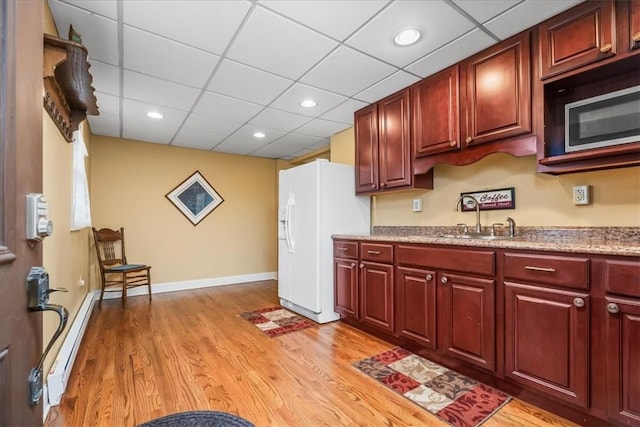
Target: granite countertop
{"points": [[623, 241]]}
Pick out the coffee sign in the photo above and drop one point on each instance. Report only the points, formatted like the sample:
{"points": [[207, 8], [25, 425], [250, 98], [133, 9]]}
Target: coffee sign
{"points": [[503, 198]]}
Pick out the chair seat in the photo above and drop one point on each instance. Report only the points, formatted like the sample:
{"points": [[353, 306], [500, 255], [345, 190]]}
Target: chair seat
{"points": [[128, 267]]}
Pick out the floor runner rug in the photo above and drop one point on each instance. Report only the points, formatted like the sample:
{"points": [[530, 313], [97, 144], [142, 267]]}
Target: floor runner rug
{"points": [[275, 321], [458, 400]]}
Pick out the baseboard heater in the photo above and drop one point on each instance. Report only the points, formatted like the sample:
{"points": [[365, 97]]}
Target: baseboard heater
{"points": [[61, 369]]}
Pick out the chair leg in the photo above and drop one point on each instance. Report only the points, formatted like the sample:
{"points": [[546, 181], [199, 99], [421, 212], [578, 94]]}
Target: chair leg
{"points": [[149, 283], [101, 294], [124, 290]]}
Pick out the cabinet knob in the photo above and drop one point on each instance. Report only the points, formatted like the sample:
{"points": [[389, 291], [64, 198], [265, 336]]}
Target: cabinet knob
{"points": [[468, 140], [353, 264], [444, 279], [578, 302], [636, 37], [361, 265], [613, 308], [453, 143], [606, 48], [429, 277], [383, 184]]}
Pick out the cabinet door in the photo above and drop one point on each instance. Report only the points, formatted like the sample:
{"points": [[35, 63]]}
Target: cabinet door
{"points": [[634, 25], [346, 286], [394, 143], [416, 306], [467, 319], [579, 36], [623, 360], [434, 113], [366, 134], [547, 341], [376, 290], [496, 102]]}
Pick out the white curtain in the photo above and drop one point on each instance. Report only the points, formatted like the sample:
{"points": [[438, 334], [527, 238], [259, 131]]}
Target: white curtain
{"points": [[80, 210]]}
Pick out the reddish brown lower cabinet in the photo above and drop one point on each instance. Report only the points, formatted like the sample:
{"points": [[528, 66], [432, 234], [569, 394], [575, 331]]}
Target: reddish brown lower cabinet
{"points": [[416, 306], [376, 295], [346, 286], [467, 319], [623, 359], [547, 341]]}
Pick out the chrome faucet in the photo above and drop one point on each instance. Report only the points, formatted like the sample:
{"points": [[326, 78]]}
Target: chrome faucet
{"points": [[459, 202], [512, 227]]}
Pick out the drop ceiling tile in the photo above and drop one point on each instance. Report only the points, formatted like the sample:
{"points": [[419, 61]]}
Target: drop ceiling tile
{"points": [[152, 90], [290, 100], [337, 19], [321, 128], [136, 125], [242, 141], [239, 81], [388, 86], [208, 25], [99, 34], [105, 124], [436, 20], [107, 104], [288, 144], [224, 107], [164, 58], [525, 15], [482, 11], [343, 113], [106, 8], [276, 44], [343, 72], [204, 132], [463, 47], [106, 77], [278, 119]]}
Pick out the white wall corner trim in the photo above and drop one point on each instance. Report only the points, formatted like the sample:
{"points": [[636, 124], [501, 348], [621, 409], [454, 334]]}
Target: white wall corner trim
{"points": [[159, 288], [61, 368]]}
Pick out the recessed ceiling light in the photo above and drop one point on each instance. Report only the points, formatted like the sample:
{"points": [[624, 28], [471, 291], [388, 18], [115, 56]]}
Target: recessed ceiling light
{"points": [[308, 103], [155, 115], [259, 135], [407, 37]]}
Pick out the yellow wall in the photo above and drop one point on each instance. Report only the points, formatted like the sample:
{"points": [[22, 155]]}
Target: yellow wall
{"points": [[541, 199], [342, 147], [65, 253], [129, 181]]}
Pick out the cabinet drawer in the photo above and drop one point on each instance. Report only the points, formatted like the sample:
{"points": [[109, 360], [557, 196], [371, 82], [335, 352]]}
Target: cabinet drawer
{"points": [[568, 272], [377, 252], [464, 260], [622, 277], [342, 249]]}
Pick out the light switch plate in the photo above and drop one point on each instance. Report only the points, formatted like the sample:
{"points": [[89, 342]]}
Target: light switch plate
{"points": [[417, 205], [581, 194]]}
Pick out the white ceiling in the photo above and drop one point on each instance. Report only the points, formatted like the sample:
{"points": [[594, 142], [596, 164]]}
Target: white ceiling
{"points": [[221, 70]]}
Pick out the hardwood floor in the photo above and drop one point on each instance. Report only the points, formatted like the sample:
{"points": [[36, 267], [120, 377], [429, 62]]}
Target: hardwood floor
{"points": [[191, 351]]}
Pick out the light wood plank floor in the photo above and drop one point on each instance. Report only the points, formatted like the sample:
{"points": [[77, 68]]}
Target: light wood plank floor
{"points": [[191, 351]]}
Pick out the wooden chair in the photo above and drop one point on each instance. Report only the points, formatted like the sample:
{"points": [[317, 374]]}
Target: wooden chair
{"points": [[116, 273]]}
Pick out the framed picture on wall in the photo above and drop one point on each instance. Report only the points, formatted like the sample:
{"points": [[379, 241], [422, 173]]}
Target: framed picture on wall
{"points": [[195, 198]]}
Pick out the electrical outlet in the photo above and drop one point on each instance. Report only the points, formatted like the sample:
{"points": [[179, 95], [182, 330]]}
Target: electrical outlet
{"points": [[81, 282], [581, 194], [417, 205]]}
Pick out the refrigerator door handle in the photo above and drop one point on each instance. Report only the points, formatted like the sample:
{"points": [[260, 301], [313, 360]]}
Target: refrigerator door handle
{"points": [[290, 243]]}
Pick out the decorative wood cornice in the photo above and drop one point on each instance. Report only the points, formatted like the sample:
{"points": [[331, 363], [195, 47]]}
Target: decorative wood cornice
{"points": [[68, 94]]}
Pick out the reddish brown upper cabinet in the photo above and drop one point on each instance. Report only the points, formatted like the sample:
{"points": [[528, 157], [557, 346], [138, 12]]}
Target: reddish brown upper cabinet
{"points": [[634, 24], [435, 113], [383, 147], [495, 93], [580, 36]]}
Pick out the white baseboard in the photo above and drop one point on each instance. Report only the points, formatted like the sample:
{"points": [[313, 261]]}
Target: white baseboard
{"points": [[159, 288], [45, 402]]}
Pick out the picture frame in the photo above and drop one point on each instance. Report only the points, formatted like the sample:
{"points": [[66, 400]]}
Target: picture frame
{"points": [[195, 198], [501, 198]]}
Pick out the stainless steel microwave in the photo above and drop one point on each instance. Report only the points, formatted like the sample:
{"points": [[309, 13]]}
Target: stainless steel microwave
{"points": [[603, 121]]}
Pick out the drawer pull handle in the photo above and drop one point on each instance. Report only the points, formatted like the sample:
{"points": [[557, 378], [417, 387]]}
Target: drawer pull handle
{"points": [[429, 277], [613, 308], [374, 252], [578, 302], [606, 48], [444, 279], [343, 249], [545, 269]]}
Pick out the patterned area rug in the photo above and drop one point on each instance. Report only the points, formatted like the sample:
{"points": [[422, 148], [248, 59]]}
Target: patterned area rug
{"points": [[454, 398], [275, 321]]}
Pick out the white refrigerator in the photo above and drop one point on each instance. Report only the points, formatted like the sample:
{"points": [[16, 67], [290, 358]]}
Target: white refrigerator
{"points": [[316, 200]]}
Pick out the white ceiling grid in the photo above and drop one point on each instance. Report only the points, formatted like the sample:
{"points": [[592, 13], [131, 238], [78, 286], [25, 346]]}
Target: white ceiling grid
{"points": [[220, 70]]}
